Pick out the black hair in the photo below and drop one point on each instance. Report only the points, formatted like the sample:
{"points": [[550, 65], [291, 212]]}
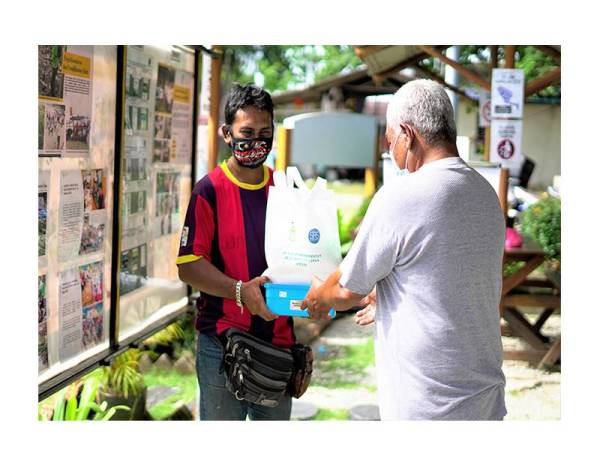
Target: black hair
{"points": [[242, 96]]}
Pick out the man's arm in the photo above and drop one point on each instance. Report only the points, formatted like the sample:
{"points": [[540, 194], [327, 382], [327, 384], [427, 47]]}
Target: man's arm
{"points": [[324, 295], [204, 276]]}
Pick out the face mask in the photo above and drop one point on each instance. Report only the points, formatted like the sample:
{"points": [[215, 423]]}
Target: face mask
{"points": [[399, 172], [251, 153]]}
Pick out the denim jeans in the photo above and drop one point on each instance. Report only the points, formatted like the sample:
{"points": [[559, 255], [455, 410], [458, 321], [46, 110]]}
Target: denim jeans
{"points": [[216, 402]]}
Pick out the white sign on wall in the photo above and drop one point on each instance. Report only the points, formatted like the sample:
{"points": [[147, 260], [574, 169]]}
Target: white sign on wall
{"points": [[507, 93], [485, 108], [505, 146]]}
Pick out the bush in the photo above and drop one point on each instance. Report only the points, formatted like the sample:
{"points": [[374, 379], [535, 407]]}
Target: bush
{"points": [[541, 221]]}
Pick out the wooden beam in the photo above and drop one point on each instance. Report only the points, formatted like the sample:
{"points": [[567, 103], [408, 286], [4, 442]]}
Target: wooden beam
{"points": [[531, 301], [532, 356], [523, 329], [503, 191], [403, 64], [215, 101], [551, 356], [542, 82], [550, 51], [509, 56], [493, 57], [366, 50], [369, 90], [463, 71], [516, 278], [434, 76]]}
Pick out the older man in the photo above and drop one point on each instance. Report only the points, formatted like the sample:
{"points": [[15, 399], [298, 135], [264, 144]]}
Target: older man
{"points": [[432, 244]]}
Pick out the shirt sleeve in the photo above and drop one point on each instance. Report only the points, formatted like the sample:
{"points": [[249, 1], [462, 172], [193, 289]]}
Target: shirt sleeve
{"points": [[198, 231], [374, 252]]}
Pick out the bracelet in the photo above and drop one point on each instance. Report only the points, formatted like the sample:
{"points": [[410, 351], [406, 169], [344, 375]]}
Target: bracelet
{"points": [[238, 296]]}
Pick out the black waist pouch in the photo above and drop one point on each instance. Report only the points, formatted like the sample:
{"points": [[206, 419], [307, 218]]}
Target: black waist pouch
{"points": [[259, 372]]}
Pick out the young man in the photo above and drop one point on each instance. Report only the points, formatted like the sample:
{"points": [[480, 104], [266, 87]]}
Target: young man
{"points": [[222, 250]]}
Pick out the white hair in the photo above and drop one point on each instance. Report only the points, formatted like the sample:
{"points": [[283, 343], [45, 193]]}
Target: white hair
{"points": [[425, 105]]}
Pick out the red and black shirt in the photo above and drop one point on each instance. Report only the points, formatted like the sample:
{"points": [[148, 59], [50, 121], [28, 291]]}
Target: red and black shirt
{"points": [[225, 223]]}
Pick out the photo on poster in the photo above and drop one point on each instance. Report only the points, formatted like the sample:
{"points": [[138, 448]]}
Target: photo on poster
{"points": [[161, 150], [165, 85], [142, 119], [42, 222], [94, 189], [42, 346], [42, 323], [134, 272], [135, 202], [92, 325], [92, 236], [91, 279], [50, 72], [78, 130], [167, 203], [162, 126], [53, 133]]}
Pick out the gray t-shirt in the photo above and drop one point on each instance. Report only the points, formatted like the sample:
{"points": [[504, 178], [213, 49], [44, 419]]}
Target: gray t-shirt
{"points": [[432, 242]]}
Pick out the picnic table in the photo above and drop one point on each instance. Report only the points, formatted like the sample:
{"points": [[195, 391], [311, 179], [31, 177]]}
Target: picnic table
{"points": [[519, 291]]}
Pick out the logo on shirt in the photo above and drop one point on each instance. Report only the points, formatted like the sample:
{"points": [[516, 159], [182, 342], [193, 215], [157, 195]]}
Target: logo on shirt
{"points": [[184, 236], [314, 235]]}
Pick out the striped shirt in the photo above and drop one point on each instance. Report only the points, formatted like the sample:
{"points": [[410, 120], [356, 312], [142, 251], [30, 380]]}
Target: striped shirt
{"points": [[225, 223]]}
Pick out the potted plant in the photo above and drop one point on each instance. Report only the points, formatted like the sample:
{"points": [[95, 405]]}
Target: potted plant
{"points": [[77, 402], [123, 384], [541, 221]]}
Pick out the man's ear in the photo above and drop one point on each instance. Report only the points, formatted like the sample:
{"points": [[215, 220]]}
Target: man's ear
{"points": [[409, 132], [226, 131]]}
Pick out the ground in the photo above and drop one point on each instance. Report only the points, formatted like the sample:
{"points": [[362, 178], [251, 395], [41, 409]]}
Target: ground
{"points": [[344, 375]]}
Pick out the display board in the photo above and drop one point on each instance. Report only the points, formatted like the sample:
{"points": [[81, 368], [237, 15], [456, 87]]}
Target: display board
{"points": [[76, 137], [156, 181], [338, 139]]}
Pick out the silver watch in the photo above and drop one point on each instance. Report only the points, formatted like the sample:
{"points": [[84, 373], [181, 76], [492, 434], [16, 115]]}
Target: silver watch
{"points": [[238, 295]]}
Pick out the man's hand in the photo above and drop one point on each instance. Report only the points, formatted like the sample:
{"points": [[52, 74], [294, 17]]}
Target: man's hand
{"points": [[253, 300], [318, 308], [366, 316]]}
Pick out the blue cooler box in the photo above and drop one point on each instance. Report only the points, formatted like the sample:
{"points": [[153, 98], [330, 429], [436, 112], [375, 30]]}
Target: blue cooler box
{"points": [[285, 299]]}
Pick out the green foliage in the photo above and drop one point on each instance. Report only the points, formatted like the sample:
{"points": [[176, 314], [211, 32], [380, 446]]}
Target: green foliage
{"points": [[188, 391], [541, 221], [287, 66], [332, 414], [347, 229], [178, 336], [511, 267], [122, 377], [77, 402], [346, 367]]}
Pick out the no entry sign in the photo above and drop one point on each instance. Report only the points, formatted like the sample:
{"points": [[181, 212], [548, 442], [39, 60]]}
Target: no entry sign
{"points": [[485, 109], [505, 145]]}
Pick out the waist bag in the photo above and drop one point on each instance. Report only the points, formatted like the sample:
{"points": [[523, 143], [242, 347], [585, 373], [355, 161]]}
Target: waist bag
{"points": [[261, 373]]}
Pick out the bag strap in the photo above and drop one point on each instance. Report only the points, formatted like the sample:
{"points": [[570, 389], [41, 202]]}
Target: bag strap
{"points": [[294, 177]]}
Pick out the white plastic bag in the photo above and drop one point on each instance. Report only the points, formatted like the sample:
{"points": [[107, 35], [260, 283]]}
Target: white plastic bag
{"points": [[301, 231]]}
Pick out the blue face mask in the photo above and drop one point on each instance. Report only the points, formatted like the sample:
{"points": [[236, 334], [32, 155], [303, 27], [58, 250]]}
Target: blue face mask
{"points": [[399, 172]]}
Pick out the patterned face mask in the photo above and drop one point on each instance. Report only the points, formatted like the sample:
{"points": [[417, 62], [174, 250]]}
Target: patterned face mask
{"points": [[251, 153]]}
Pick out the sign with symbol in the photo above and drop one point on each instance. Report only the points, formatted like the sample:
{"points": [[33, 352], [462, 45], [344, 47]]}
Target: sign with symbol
{"points": [[485, 108], [505, 146], [507, 93]]}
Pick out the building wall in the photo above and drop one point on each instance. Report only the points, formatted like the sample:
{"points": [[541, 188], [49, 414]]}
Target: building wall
{"points": [[541, 138]]}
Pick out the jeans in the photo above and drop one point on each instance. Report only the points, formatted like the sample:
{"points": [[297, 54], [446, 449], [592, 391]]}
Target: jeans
{"points": [[216, 402]]}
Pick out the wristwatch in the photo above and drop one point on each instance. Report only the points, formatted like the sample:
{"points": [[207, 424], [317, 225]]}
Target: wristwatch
{"points": [[238, 296]]}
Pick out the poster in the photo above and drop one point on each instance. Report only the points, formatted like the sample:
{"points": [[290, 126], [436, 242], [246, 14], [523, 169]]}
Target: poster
{"points": [[42, 323], [166, 219], [83, 214], [182, 117], [485, 108], [65, 100], [134, 269], [81, 309], [43, 197], [507, 93], [505, 146]]}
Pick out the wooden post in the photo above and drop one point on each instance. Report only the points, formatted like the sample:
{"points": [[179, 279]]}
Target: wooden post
{"points": [[493, 57], [371, 173], [284, 141], [486, 143], [509, 56], [215, 100], [503, 191]]}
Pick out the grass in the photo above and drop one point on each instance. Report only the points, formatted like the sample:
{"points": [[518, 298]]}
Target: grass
{"points": [[188, 391], [332, 414], [345, 368]]}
